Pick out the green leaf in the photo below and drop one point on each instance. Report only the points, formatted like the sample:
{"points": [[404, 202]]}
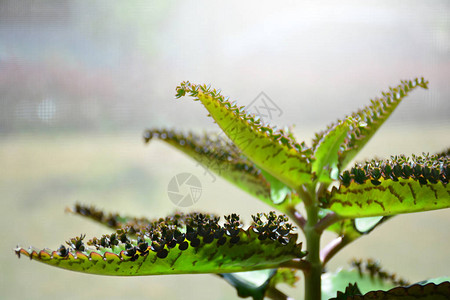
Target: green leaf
{"points": [[384, 188], [348, 231], [388, 198], [278, 190], [179, 244], [367, 275], [111, 220], [226, 160], [250, 284], [218, 156], [238, 280], [273, 151], [374, 116], [326, 157], [429, 291], [433, 289], [351, 229], [365, 225], [334, 282]]}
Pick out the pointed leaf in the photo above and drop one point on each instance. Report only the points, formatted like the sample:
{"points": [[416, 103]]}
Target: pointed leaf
{"points": [[372, 269], [179, 244], [399, 185], [374, 116], [111, 220], [326, 157], [282, 275], [223, 158], [273, 151]]}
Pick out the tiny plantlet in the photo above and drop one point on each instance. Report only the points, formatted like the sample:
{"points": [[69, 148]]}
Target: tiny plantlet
{"points": [[312, 188]]}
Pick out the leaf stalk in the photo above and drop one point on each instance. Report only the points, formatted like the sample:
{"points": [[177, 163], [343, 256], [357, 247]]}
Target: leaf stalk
{"points": [[328, 220]]}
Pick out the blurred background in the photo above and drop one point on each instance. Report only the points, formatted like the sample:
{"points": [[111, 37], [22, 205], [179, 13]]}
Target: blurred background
{"points": [[81, 80]]}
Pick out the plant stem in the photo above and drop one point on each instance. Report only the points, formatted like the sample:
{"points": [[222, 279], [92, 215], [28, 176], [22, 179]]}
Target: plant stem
{"points": [[296, 217], [328, 220], [313, 275], [333, 248], [299, 264]]}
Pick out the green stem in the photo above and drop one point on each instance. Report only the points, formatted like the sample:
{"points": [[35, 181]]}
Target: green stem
{"points": [[313, 275], [326, 221], [299, 264], [296, 217], [333, 248]]}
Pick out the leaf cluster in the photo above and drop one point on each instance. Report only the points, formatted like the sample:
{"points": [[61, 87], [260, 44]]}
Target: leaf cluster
{"points": [[271, 165]]}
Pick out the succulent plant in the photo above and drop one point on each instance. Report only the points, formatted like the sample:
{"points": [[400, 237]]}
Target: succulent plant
{"points": [[271, 165]]}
